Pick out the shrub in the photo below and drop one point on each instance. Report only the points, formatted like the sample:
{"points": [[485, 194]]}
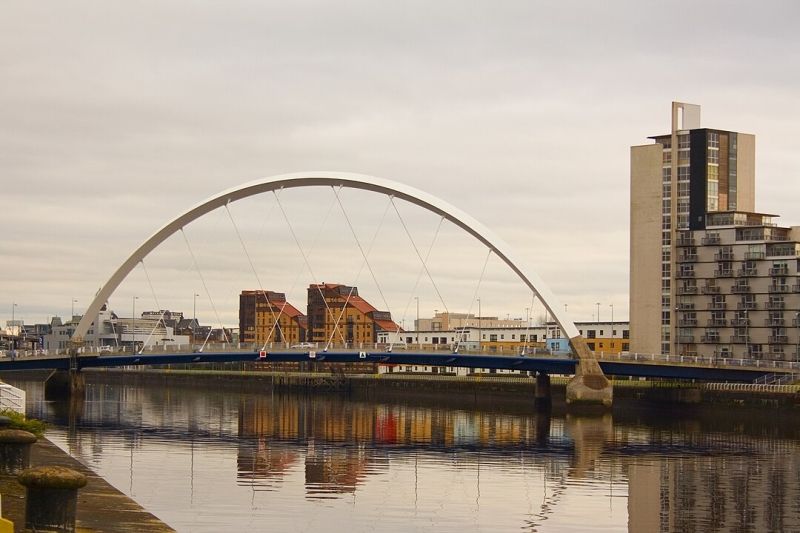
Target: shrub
{"points": [[18, 421]]}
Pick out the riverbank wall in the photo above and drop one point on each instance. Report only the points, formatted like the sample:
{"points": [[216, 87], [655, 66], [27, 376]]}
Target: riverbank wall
{"points": [[484, 390]]}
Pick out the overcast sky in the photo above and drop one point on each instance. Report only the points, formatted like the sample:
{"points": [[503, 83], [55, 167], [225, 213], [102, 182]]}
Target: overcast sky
{"points": [[115, 117]]}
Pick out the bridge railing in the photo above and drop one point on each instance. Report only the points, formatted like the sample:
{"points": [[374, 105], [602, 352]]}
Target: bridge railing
{"points": [[699, 360]]}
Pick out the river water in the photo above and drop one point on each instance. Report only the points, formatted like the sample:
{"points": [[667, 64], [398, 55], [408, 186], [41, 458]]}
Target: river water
{"points": [[203, 459]]}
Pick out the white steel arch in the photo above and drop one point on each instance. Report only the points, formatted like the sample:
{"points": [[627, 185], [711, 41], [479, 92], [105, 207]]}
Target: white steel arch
{"points": [[347, 180]]}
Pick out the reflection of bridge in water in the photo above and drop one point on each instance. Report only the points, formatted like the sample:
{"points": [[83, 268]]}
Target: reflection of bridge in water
{"points": [[337, 445]]}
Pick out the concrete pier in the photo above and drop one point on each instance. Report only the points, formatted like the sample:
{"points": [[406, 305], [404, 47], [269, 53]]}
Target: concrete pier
{"points": [[64, 384], [589, 387]]}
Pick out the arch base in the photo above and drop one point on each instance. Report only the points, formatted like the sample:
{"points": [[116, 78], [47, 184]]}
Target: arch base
{"points": [[583, 391], [590, 387]]}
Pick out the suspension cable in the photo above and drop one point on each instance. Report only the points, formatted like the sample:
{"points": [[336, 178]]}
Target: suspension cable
{"points": [[474, 296], [365, 261]]}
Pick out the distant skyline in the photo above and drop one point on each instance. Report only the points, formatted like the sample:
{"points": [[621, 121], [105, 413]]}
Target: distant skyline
{"points": [[117, 117]]}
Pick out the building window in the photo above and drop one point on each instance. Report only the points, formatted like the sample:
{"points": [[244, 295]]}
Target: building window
{"points": [[591, 333]]}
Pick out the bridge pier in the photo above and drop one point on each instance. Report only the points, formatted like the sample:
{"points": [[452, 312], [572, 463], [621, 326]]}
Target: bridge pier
{"points": [[64, 384], [589, 387], [542, 399]]}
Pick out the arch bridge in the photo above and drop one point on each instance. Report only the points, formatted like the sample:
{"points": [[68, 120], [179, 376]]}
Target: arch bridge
{"points": [[589, 384]]}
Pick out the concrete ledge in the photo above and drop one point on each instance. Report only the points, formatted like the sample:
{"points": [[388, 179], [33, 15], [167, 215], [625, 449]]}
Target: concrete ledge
{"points": [[101, 507]]}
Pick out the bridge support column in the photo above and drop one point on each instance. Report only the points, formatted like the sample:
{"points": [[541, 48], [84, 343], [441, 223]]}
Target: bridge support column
{"points": [[589, 387], [64, 384], [542, 397]]}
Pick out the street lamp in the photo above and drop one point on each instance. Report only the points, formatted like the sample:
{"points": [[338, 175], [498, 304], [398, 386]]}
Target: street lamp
{"points": [[746, 334], [527, 317], [797, 348], [598, 313], [74, 301], [133, 314], [416, 324], [480, 323], [194, 315], [612, 324], [13, 308]]}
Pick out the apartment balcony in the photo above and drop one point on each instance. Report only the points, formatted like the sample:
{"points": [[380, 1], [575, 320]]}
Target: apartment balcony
{"points": [[777, 356], [710, 240], [711, 289], [775, 305], [723, 256], [684, 274], [752, 256], [717, 306], [716, 323], [687, 241], [685, 339], [687, 258], [746, 305], [740, 322], [778, 339], [795, 288], [745, 272], [740, 339], [779, 289], [685, 306], [687, 290], [740, 289], [774, 322], [796, 322], [688, 322], [723, 273], [710, 338], [779, 271]]}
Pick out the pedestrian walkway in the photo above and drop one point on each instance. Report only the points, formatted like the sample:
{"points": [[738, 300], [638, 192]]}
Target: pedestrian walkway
{"points": [[101, 507]]}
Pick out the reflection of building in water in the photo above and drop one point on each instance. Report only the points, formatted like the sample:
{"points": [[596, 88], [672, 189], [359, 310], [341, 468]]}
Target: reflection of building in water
{"points": [[742, 492], [333, 419], [336, 470], [264, 464]]}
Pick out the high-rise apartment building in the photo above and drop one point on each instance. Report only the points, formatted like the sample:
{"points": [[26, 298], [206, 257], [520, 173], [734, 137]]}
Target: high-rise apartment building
{"points": [[709, 276]]}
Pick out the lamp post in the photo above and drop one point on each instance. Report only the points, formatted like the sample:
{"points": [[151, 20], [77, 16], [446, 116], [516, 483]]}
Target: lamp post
{"points": [[527, 317], [133, 318], [598, 313], [746, 333], [194, 316], [416, 324], [13, 331], [612, 325], [480, 323], [74, 301], [797, 348]]}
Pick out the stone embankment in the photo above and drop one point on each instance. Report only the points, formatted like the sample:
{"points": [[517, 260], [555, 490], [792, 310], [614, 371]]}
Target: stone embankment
{"points": [[101, 507], [482, 389]]}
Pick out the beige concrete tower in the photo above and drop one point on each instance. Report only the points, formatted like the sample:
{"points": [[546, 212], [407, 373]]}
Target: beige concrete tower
{"points": [[675, 182]]}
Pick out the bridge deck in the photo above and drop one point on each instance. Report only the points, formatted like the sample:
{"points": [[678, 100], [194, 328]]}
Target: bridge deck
{"points": [[651, 368]]}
